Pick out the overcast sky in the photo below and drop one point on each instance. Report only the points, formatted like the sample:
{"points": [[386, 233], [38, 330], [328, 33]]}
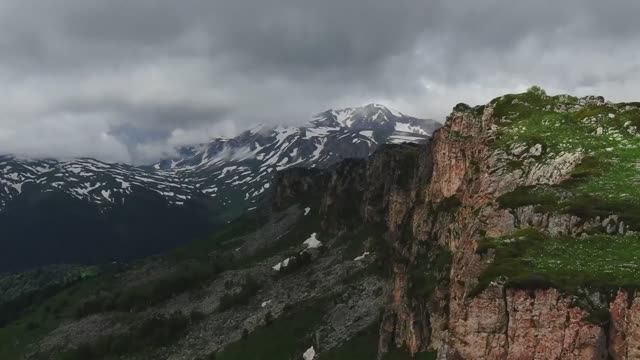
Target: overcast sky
{"points": [[127, 80]]}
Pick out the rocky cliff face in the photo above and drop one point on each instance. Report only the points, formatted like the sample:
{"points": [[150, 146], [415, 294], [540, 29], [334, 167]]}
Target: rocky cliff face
{"points": [[493, 232], [498, 320]]}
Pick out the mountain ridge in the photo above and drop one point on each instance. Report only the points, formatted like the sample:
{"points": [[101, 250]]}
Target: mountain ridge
{"points": [[223, 168]]}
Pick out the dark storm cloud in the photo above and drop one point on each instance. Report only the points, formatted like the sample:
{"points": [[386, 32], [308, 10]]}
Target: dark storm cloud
{"points": [[129, 80]]}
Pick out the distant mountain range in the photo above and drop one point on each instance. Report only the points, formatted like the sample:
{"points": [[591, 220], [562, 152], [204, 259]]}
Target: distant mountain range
{"points": [[235, 171]]}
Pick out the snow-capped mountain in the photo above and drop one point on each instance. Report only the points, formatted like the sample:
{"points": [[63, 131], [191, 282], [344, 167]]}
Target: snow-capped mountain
{"points": [[235, 171], [87, 179], [402, 128]]}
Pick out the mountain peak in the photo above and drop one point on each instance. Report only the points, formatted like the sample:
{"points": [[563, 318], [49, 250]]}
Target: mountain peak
{"points": [[374, 108], [359, 118]]}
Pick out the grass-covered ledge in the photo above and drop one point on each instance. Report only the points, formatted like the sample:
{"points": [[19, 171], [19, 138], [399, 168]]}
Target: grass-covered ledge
{"points": [[531, 259]]}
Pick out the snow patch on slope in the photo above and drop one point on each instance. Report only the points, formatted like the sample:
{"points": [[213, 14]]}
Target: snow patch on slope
{"points": [[312, 242]]}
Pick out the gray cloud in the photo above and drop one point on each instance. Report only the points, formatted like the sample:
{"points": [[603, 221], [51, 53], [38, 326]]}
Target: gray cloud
{"points": [[129, 80]]}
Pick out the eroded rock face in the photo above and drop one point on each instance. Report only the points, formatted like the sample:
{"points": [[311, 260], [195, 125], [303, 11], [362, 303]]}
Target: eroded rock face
{"points": [[482, 333], [545, 325], [624, 330], [294, 184]]}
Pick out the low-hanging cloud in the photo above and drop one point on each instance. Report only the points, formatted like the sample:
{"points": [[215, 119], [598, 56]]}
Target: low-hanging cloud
{"points": [[129, 80]]}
